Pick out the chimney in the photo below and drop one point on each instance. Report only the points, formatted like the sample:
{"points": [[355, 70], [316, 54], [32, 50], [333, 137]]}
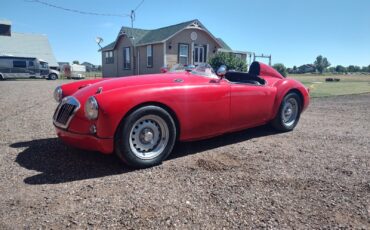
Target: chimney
{"points": [[5, 28]]}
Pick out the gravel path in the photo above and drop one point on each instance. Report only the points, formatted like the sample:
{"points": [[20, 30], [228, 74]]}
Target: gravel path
{"points": [[317, 176]]}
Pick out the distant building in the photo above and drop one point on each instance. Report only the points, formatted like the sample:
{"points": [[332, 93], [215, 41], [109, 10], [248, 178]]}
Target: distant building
{"points": [[25, 45], [307, 68], [140, 51], [90, 67], [62, 66]]}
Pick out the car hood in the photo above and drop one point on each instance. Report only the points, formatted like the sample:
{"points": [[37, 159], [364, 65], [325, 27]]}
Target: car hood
{"points": [[89, 88]]}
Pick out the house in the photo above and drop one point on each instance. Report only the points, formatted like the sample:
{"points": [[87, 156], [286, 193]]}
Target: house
{"points": [[90, 67], [307, 68], [139, 51], [25, 45]]}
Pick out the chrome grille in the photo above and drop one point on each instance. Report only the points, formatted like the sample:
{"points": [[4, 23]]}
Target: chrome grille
{"points": [[65, 112]]}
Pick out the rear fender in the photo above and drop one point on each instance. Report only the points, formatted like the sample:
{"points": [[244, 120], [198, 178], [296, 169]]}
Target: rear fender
{"points": [[284, 86]]}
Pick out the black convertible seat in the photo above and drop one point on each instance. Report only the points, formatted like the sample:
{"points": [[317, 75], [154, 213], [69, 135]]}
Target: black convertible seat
{"points": [[255, 69], [240, 77]]}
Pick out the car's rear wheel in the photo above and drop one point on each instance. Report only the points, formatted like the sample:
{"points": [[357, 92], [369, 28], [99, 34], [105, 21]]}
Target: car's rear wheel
{"points": [[289, 113], [52, 76], [145, 137]]}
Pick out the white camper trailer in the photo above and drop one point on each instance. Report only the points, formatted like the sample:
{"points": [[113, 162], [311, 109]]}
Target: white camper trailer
{"points": [[78, 71]]}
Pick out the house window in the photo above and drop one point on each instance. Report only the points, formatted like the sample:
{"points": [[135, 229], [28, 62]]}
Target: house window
{"points": [[149, 56], [126, 58], [238, 56], [19, 64], [183, 54], [109, 57]]}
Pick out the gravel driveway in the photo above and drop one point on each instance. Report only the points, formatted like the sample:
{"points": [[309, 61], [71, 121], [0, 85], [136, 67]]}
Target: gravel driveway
{"points": [[314, 177]]}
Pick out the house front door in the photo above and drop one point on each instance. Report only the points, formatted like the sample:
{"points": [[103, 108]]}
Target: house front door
{"points": [[199, 55]]}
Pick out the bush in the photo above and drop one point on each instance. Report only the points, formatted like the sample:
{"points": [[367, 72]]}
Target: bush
{"points": [[230, 60], [280, 68]]}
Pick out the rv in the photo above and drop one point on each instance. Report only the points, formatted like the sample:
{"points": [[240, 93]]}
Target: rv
{"points": [[25, 67]]}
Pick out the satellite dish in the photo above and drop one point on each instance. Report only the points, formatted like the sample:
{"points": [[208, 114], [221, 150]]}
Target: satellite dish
{"points": [[99, 40]]}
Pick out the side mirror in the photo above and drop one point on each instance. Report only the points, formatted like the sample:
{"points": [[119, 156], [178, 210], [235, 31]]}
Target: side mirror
{"points": [[164, 69], [221, 71], [189, 68]]}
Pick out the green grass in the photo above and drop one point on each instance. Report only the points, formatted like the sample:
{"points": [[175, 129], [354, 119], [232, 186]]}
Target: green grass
{"points": [[348, 84], [88, 75]]}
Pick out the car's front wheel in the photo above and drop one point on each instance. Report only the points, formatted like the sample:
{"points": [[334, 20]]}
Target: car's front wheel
{"points": [[289, 113], [145, 137]]}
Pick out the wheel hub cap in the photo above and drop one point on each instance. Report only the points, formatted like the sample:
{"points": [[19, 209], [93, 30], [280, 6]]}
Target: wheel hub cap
{"points": [[290, 112], [149, 137], [146, 136]]}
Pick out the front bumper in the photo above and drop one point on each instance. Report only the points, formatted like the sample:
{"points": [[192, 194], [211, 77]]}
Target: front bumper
{"points": [[85, 141]]}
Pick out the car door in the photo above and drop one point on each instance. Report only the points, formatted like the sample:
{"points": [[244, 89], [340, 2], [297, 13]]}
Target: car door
{"points": [[250, 105], [204, 109]]}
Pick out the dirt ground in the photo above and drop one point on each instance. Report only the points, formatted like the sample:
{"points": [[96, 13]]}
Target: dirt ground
{"points": [[317, 176]]}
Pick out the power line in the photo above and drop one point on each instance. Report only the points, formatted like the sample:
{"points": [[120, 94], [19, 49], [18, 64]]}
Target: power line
{"points": [[138, 6], [80, 11]]}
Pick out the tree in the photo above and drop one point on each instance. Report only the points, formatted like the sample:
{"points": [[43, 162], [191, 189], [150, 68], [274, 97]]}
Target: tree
{"points": [[354, 68], [295, 69], [321, 63], [365, 69], [76, 62], [230, 60], [280, 68], [340, 69], [331, 69]]}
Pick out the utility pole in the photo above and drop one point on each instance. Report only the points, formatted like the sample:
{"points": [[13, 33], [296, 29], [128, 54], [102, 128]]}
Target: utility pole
{"points": [[132, 16], [263, 56]]}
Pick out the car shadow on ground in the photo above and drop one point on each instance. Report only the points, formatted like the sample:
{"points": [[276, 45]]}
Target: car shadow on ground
{"points": [[58, 163]]}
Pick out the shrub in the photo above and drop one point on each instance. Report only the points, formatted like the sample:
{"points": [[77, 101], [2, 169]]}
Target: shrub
{"points": [[230, 60], [280, 68]]}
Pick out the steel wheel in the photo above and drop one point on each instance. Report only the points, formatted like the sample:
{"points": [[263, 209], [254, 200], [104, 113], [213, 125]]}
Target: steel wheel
{"points": [[149, 137], [290, 111], [145, 137]]}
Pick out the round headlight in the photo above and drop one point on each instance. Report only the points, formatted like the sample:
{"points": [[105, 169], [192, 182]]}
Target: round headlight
{"points": [[91, 108], [58, 94]]}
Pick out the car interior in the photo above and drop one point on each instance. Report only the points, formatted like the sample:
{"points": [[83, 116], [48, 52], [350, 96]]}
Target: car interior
{"points": [[252, 77]]}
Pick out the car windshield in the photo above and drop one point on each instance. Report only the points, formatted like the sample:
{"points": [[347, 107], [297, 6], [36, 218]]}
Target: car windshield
{"points": [[177, 68], [44, 65], [201, 69], [204, 70]]}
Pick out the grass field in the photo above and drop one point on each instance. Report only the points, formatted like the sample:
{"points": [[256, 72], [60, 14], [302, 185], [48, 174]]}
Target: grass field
{"points": [[348, 84], [88, 75]]}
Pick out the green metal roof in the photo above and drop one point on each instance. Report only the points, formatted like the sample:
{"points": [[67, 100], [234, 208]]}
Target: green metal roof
{"points": [[224, 45], [161, 34], [110, 46], [137, 34], [143, 37]]}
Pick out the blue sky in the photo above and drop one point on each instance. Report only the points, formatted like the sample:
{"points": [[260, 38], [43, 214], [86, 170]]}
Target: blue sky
{"points": [[293, 31]]}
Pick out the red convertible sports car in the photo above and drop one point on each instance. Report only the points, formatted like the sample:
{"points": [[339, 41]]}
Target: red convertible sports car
{"points": [[140, 117]]}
